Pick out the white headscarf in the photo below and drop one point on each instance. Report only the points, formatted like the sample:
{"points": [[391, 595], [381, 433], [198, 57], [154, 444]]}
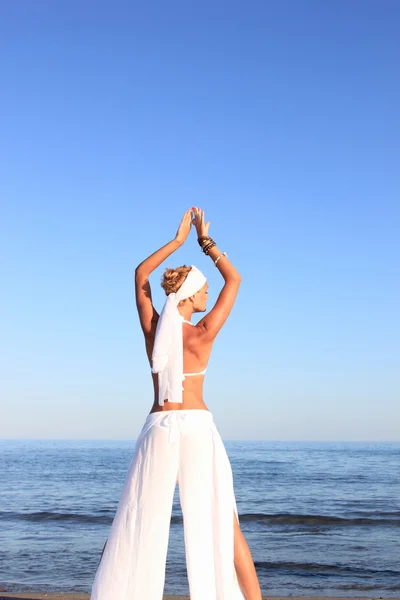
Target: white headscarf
{"points": [[167, 357]]}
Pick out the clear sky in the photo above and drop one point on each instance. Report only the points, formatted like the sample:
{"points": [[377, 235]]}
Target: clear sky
{"points": [[281, 120]]}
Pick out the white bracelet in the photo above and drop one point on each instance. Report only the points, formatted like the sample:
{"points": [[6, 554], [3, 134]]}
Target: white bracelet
{"points": [[220, 256]]}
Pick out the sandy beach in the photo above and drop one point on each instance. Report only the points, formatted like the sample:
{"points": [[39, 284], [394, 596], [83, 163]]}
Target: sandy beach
{"points": [[70, 596]]}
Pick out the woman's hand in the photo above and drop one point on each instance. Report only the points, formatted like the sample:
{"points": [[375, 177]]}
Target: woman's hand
{"points": [[198, 221], [184, 227]]}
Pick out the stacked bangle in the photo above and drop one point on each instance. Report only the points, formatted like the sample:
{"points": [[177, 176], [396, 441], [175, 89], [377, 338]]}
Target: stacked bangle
{"points": [[206, 249], [206, 243]]}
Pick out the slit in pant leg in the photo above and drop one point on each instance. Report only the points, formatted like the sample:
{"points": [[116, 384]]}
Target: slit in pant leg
{"points": [[238, 592]]}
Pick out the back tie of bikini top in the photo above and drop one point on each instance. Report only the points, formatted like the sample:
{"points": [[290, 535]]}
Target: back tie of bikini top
{"points": [[200, 372]]}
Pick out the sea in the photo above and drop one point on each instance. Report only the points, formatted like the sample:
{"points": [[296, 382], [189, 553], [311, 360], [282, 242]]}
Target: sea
{"points": [[320, 518]]}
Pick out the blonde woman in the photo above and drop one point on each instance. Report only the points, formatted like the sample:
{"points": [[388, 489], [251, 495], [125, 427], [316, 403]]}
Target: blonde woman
{"points": [[179, 443]]}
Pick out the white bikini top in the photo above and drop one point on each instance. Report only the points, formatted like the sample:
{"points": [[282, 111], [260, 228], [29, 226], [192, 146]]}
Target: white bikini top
{"points": [[200, 372]]}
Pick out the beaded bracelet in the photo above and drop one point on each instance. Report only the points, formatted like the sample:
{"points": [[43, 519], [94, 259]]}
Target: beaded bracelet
{"points": [[204, 240], [201, 238], [206, 249], [220, 256], [206, 243]]}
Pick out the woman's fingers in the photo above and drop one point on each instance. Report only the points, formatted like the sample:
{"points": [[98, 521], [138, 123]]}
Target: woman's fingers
{"points": [[184, 217], [184, 226], [199, 221], [187, 217]]}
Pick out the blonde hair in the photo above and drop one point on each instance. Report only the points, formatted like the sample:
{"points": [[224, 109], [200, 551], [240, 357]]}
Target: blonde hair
{"points": [[173, 278]]}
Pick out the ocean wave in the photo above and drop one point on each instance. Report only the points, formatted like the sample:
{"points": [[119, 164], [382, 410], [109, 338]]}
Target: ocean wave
{"points": [[296, 568], [54, 516], [278, 519], [319, 520]]}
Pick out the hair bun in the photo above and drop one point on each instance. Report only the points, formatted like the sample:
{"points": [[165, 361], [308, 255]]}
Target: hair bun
{"points": [[173, 279]]}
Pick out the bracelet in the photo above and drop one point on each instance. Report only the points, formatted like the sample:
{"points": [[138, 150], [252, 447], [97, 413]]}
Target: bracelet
{"points": [[202, 238], [206, 243], [206, 249], [220, 256]]}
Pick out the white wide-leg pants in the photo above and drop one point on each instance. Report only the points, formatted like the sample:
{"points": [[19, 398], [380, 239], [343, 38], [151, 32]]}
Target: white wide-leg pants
{"points": [[184, 447]]}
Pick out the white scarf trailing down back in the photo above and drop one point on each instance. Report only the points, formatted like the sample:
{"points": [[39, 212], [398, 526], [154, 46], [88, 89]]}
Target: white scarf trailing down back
{"points": [[167, 357]]}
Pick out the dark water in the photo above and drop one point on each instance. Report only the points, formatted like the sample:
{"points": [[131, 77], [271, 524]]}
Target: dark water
{"points": [[320, 518]]}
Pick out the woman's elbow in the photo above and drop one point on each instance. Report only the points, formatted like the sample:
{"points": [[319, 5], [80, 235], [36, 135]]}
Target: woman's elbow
{"points": [[235, 279], [139, 272]]}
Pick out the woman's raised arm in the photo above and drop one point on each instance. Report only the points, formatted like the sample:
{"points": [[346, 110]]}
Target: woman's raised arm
{"points": [[213, 321], [147, 313]]}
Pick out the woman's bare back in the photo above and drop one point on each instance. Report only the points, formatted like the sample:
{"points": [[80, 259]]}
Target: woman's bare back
{"points": [[197, 339], [196, 353]]}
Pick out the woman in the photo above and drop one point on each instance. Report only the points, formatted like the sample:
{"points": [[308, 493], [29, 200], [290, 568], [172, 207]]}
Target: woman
{"points": [[179, 443]]}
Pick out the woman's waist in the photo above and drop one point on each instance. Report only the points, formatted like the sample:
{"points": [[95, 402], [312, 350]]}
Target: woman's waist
{"points": [[191, 403], [181, 414], [192, 398]]}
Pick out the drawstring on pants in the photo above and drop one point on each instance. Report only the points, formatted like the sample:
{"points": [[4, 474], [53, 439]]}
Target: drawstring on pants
{"points": [[171, 420]]}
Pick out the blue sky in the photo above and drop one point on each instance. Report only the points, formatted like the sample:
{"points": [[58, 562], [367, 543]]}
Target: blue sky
{"points": [[280, 119]]}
